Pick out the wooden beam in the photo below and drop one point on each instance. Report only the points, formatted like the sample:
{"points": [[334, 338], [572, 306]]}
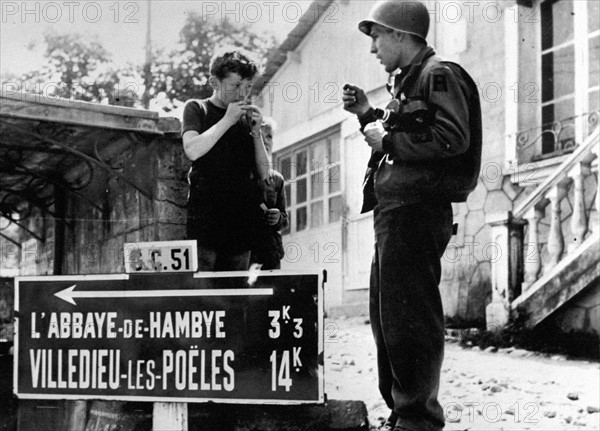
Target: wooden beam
{"points": [[34, 107], [16, 93]]}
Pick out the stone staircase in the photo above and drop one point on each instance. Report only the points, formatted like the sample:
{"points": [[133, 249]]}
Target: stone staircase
{"points": [[550, 250], [570, 276]]}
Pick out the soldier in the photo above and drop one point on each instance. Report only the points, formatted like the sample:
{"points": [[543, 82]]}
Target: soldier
{"points": [[426, 156]]}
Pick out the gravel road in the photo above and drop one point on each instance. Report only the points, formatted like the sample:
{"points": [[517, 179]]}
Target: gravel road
{"points": [[511, 389]]}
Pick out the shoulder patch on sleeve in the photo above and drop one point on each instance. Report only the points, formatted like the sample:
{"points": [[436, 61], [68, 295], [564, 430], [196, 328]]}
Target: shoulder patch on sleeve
{"points": [[439, 82]]}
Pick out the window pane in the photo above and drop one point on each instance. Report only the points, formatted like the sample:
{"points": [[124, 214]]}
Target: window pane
{"points": [[547, 77], [594, 101], [557, 112], [288, 193], [316, 214], [300, 219], [547, 116], [335, 209], [557, 22], [289, 226], [558, 74], [593, 16], [333, 178], [564, 110], [547, 137], [301, 191], [562, 113], [300, 163], [334, 150], [318, 154], [564, 71], [316, 185], [285, 167], [546, 25], [594, 48]]}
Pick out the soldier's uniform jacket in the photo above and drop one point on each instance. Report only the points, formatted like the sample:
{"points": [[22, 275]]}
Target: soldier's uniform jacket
{"points": [[428, 161]]}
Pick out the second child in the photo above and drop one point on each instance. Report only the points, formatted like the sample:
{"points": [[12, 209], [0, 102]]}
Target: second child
{"points": [[267, 249]]}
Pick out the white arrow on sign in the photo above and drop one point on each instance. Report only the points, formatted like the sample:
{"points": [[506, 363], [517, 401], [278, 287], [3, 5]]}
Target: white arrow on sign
{"points": [[69, 294]]}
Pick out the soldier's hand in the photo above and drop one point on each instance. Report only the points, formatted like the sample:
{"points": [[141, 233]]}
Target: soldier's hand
{"points": [[374, 133], [355, 100], [272, 215]]}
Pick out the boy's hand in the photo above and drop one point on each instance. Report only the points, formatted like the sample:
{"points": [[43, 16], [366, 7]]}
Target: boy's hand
{"points": [[234, 112], [254, 117], [273, 215]]}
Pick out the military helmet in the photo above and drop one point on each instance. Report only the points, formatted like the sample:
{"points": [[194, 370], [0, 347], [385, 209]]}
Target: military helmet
{"points": [[408, 16]]}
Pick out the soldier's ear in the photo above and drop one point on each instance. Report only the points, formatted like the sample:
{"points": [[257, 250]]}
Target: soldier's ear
{"points": [[400, 35]]}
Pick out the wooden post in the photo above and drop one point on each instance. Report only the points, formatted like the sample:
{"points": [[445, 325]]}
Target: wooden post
{"points": [[170, 416], [75, 415]]}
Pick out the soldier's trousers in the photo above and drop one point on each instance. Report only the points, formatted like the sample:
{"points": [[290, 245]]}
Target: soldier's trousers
{"points": [[406, 310]]}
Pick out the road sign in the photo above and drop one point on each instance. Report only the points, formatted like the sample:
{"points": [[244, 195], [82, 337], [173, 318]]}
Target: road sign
{"points": [[161, 256], [248, 337]]}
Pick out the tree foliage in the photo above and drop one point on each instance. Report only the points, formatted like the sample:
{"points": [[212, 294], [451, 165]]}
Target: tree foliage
{"points": [[79, 68], [72, 57], [183, 73]]}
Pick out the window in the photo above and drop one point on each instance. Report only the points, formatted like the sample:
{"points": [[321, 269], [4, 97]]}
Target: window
{"points": [[558, 62], [566, 45], [312, 172]]}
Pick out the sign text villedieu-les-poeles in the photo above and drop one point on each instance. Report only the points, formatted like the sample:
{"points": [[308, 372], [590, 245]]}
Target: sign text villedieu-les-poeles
{"points": [[226, 337]]}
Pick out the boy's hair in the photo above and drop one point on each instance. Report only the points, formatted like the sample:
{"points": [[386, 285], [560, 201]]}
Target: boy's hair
{"points": [[233, 60]]}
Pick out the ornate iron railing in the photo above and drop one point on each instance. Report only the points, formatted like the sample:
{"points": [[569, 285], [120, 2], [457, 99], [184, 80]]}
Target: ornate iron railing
{"points": [[557, 137]]}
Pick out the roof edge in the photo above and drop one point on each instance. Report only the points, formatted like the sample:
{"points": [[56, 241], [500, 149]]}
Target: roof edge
{"points": [[308, 20]]}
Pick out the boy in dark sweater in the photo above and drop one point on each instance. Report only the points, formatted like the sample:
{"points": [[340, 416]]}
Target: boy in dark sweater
{"points": [[223, 139]]}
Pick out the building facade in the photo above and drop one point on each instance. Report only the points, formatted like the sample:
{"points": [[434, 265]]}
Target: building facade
{"points": [[536, 65]]}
